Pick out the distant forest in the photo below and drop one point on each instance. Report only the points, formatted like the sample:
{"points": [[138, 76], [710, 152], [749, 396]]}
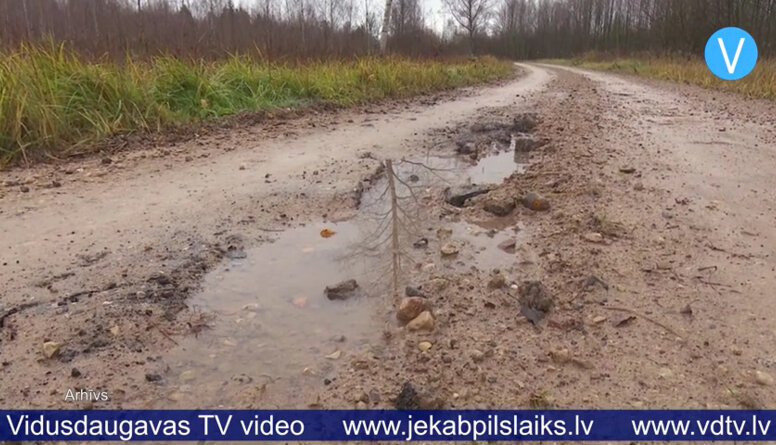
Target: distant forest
{"points": [[304, 29]]}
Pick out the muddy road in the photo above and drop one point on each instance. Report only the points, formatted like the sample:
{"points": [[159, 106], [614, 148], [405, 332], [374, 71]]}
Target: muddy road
{"points": [[577, 239]]}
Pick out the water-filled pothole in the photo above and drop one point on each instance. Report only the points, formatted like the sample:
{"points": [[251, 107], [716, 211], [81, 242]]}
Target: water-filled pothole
{"points": [[273, 323]]}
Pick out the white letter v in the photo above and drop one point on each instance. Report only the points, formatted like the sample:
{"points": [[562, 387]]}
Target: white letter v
{"points": [[731, 67]]}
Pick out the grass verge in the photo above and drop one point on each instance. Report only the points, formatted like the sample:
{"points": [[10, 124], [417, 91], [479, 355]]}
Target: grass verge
{"points": [[761, 82], [52, 101]]}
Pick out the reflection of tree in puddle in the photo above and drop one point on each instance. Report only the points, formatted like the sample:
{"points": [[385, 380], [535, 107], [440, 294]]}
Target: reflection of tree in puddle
{"points": [[396, 208]]}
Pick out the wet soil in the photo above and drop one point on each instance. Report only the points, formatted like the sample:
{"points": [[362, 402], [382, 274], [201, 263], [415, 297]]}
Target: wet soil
{"points": [[196, 278]]}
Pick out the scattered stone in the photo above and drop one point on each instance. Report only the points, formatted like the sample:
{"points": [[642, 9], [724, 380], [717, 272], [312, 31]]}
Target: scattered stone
{"points": [[187, 376], [449, 249], [342, 291], [51, 348], [763, 378], [476, 355], [687, 310], [423, 322], [236, 253], [534, 300], [361, 405], [525, 143], [411, 291], [153, 377], [410, 308], [525, 123], [508, 246], [115, 330], [458, 195], [421, 243], [24, 189], [75, 373], [536, 202], [599, 319], [638, 186], [107, 161], [465, 145], [628, 170], [424, 346], [499, 206], [624, 321], [593, 280], [334, 355], [414, 178], [593, 237], [242, 167]]}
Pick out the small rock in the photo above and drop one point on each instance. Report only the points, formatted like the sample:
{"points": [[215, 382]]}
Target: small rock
{"points": [[593, 237], [24, 189], [599, 319], [508, 245], [51, 348], [423, 322], [458, 195], [361, 405], [408, 398], [421, 243], [638, 186], [115, 331], [536, 202], [424, 346], [75, 373], [334, 355], [449, 249], [499, 206], [763, 378], [107, 161], [342, 291], [628, 170], [411, 291], [242, 166], [410, 308], [476, 355], [153, 377], [187, 376], [56, 184]]}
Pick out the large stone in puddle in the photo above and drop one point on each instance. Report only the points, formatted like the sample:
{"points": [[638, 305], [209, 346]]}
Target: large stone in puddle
{"points": [[342, 291], [410, 308], [499, 206], [525, 143], [458, 195]]}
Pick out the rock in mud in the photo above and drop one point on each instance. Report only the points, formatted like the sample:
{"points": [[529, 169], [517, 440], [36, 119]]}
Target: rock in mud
{"points": [[536, 202], [497, 281], [535, 302], [763, 378], [423, 322], [75, 373], [408, 398], [342, 291], [525, 123], [449, 249], [508, 246], [51, 348], [594, 237], [499, 206], [412, 291], [424, 346], [150, 377], [410, 308], [458, 195]]}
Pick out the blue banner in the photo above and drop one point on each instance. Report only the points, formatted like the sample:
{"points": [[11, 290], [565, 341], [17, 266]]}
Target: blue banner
{"points": [[380, 425]]}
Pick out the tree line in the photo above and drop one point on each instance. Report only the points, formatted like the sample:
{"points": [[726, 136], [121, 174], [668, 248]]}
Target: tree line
{"points": [[303, 29]]}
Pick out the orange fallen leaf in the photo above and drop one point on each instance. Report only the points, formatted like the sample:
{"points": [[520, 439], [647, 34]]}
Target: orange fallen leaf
{"points": [[327, 233], [300, 302]]}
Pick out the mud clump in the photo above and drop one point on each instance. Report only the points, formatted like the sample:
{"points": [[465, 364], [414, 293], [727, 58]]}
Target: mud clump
{"points": [[342, 291], [535, 301]]}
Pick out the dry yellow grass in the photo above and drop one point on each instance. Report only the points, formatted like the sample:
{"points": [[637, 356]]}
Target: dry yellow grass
{"points": [[759, 83]]}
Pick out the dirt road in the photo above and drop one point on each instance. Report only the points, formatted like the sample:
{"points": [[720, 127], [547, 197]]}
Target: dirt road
{"points": [[193, 275]]}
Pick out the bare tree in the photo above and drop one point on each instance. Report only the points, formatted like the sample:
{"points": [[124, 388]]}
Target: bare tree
{"points": [[470, 15], [384, 29]]}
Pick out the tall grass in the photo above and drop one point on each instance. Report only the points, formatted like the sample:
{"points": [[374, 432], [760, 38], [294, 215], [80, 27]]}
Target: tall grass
{"points": [[761, 82], [52, 101]]}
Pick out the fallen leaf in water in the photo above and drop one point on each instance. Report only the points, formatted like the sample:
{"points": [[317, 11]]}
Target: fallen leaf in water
{"points": [[334, 355], [327, 233], [300, 302]]}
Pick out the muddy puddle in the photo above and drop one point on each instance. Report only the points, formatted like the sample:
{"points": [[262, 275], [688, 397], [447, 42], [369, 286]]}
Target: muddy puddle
{"points": [[269, 334]]}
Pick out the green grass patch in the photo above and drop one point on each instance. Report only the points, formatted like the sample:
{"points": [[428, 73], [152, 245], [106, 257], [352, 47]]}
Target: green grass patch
{"points": [[761, 82], [52, 101]]}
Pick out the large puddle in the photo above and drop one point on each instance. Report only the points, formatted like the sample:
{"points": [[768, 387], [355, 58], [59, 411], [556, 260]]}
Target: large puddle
{"points": [[275, 334]]}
